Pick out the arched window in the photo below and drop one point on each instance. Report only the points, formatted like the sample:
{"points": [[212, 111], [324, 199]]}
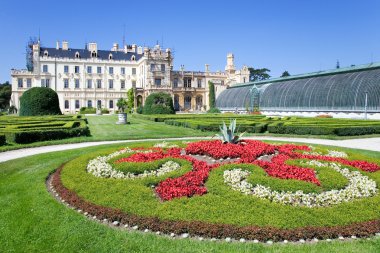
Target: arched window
{"points": [[110, 57], [46, 53], [176, 103], [133, 58], [77, 55], [94, 54], [199, 102]]}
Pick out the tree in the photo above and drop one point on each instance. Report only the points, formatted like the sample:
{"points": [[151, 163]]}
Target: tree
{"points": [[130, 99], [258, 74], [211, 94], [5, 95], [39, 101], [159, 103], [285, 74]]}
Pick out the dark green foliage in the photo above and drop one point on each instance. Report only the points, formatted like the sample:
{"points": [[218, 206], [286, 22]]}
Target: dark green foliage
{"points": [[285, 74], [39, 101], [159, 103], [2, 139], [5, 95], [211, 94], [213, 110], [139, 110], [258, 74], [121, 104]]}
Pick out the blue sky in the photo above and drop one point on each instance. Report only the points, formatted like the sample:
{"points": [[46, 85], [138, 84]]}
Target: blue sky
{"points": [[298, 36]]}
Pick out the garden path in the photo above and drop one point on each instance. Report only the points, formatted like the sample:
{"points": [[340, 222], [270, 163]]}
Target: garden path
{"points": [[372, 144]]}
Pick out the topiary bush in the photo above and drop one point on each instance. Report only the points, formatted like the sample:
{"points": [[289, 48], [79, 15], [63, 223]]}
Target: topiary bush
{"points": [[39, 101], [159, 103], [213, 110]]}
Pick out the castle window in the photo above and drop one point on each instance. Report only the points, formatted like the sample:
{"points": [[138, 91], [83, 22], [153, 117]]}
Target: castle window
{"points": [[19, 82], [133, 71], [89, 69], [89, 84], [45, 68], [99, 83], [28, 82], [175, 82], [66, 69], [122, 84], [162, 67], [94, 54], [187, 82], [89, 103], [110, 84], [76, 83], [133, 58], [110, 70], [152, 67], [76, 69], [157, 81], [66, 83], [122, 70], [133, 84], [110, 57], [77, 105], [99, 70], [111, 104], [199, 83], [66, 104], [77, 55], [46, 53]]}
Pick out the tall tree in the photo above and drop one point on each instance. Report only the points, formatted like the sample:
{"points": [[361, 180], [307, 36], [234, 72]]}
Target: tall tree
{"points": [[285, 74], [5, 95], [130, 99], [211, 94], [258, 74]]}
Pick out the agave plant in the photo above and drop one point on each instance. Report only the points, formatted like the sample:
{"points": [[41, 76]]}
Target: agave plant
{"points": [[227, 135]]}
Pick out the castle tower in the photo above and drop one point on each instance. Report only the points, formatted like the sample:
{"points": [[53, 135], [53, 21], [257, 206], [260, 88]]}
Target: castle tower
{"points": [[230, 67]]}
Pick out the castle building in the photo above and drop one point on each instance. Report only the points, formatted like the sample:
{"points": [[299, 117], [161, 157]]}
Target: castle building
{"points": [[92, 77]]}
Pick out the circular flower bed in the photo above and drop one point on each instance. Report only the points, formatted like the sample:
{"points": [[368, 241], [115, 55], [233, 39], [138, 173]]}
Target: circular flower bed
{"points": [[251, 190]]}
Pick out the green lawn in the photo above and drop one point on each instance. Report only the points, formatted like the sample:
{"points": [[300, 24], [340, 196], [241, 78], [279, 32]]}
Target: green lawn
{"points": [[105, 128], [32, 221]]}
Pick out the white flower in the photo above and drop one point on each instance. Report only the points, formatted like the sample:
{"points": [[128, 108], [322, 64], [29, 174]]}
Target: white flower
{"points": [[165, 144], [359, 186], [100, 167]]}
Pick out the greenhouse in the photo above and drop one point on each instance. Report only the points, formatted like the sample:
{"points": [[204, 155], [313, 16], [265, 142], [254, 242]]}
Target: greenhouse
{"points": [[351, 90]]}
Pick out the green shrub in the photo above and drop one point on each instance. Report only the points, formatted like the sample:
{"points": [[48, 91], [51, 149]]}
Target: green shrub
{"points": [[211, 94], [39, 101], [213, 110], [105, 111], [158, 103], [139, 110], [87, 110], [2, 139]]}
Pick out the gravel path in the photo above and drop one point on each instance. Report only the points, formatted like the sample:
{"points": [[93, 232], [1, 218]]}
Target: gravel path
{"points": [[372, 144]]}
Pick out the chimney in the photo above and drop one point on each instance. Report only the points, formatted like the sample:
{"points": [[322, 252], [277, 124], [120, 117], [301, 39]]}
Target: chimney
{"points": [[207, 68], [92, 47], [65, 45], [134, 48], [115, 47], [139, 50], [57, 45]]}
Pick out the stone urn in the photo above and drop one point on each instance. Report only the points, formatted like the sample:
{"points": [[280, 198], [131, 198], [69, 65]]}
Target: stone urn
{"points": [[122, 118]]}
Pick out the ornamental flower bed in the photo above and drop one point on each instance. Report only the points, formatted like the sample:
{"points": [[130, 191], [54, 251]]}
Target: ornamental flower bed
{"points": [[247, 151]]}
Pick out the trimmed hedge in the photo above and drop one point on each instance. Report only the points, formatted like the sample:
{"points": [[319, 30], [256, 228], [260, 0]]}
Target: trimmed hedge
{"points": [[24, 130], [39, 101], [159, 103], [2, 139]]}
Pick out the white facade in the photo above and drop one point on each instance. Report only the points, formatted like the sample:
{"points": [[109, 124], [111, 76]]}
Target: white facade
{"points": [[91, 77]]}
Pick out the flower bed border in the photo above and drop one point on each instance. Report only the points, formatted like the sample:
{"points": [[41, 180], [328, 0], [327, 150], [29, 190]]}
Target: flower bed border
{"points": [[199, 228]]}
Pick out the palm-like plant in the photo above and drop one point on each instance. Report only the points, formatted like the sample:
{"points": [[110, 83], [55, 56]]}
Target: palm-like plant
{"points": [[227, 135]]}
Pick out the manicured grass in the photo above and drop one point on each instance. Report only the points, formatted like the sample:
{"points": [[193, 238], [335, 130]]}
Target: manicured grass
{"points": [[105, 128], [32, 221]]}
